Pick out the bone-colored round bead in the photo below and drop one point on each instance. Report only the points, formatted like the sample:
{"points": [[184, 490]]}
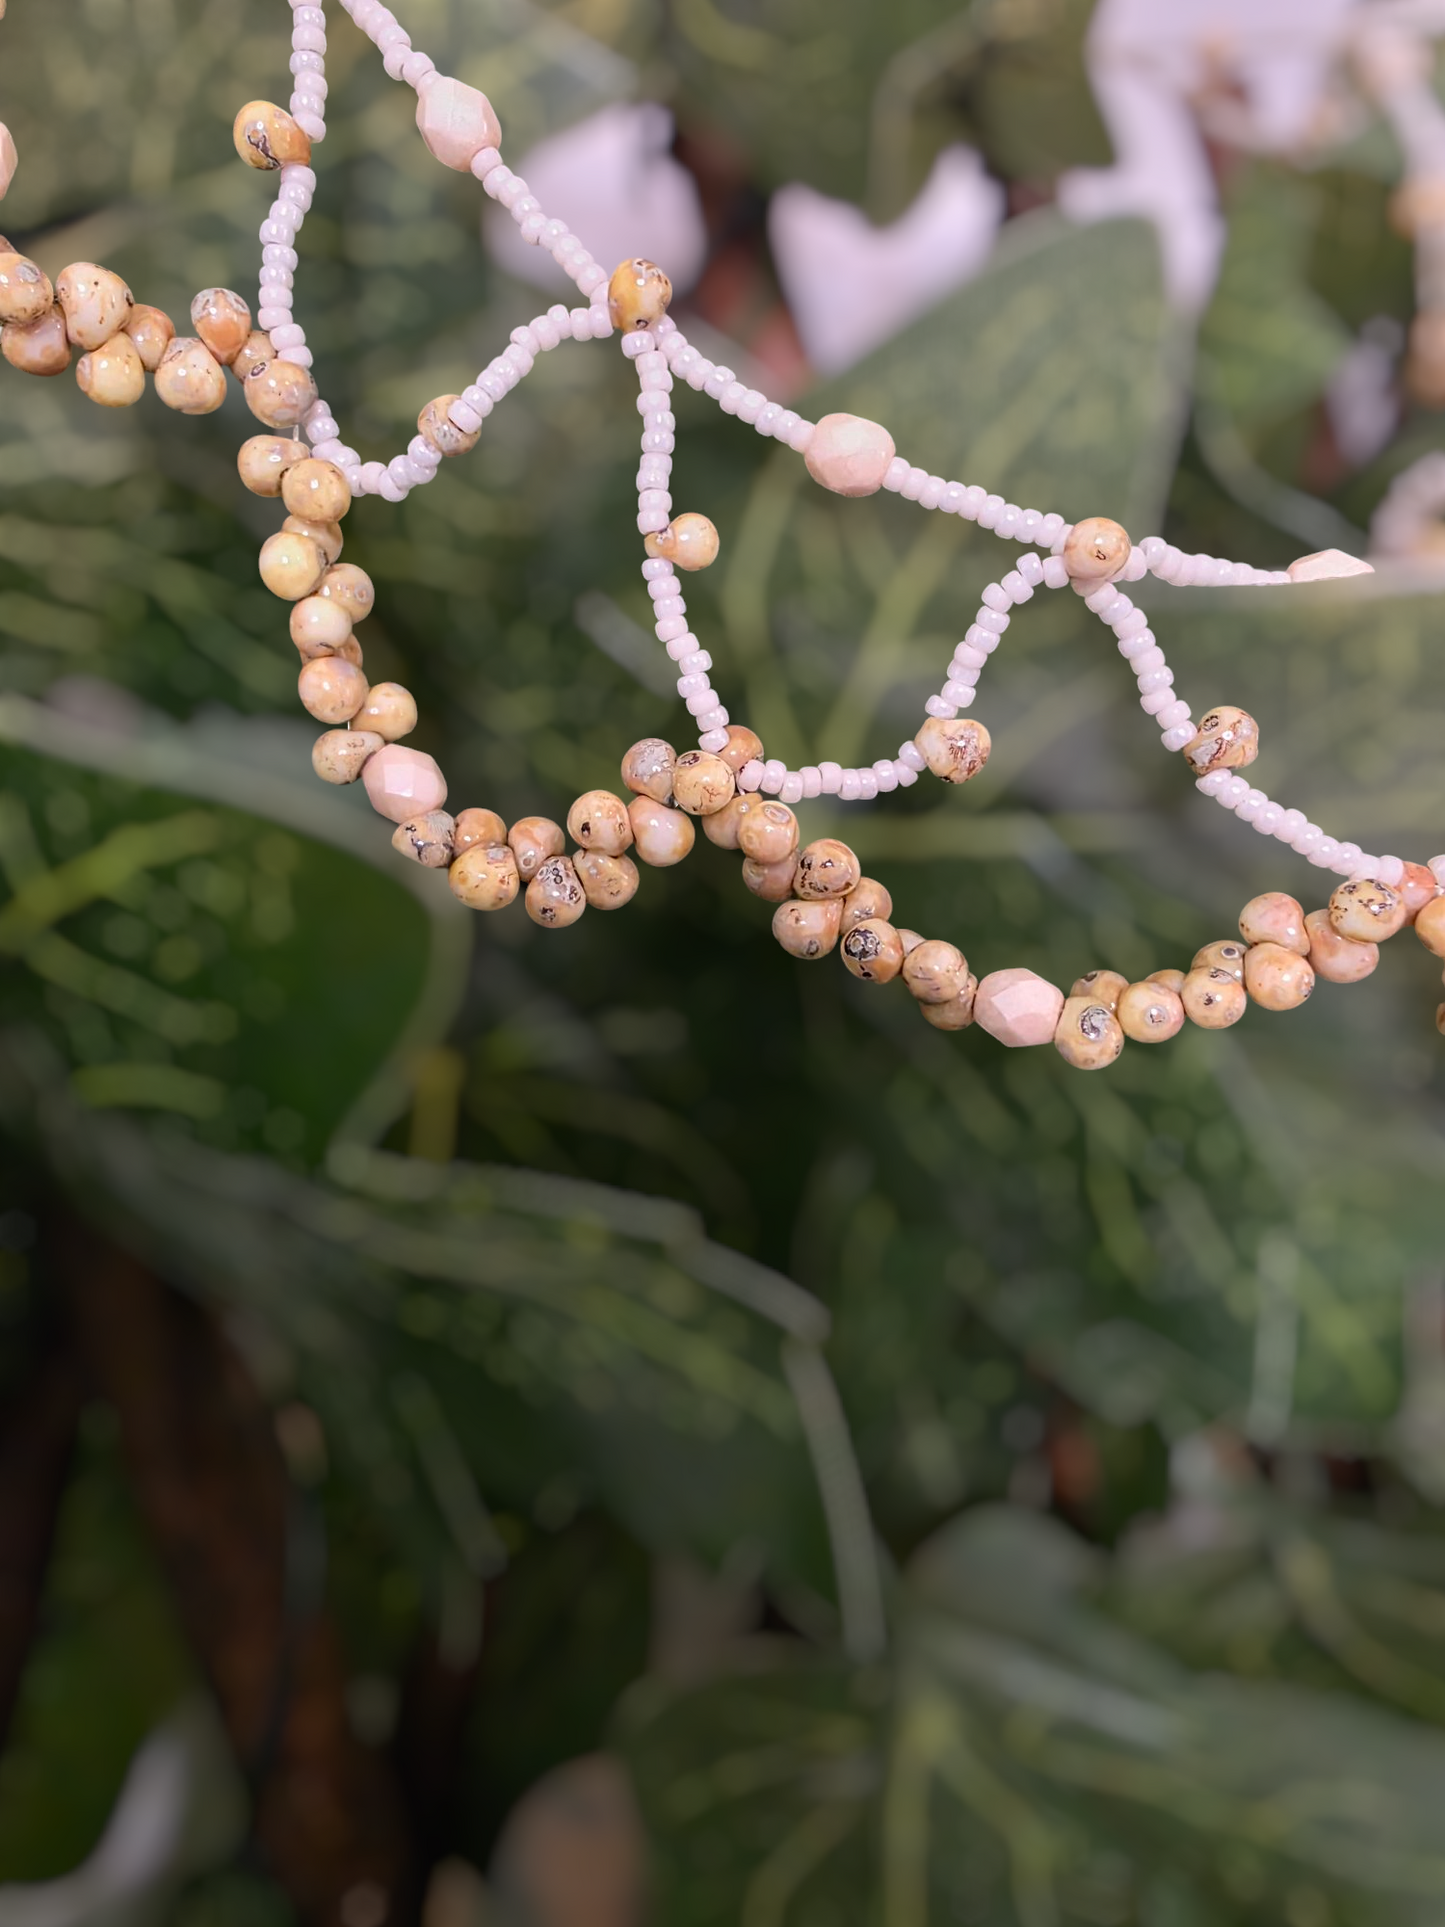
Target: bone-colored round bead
{"points": [[113, 376], [688, 542], [1275, 917], [262, 462], [935, 971], [25, 290], [1418, 887], [772, 882], [484, 876], [1104, 987], [721, 828], [1226, 954], [291, 565], [849, 454], [769, 833], [321, 628], [743, 746], [1150, 1012], [478, 826], [663, 836], [351, 587], [439, 431], [223, 321], [39, 347], [316, 491], [866, 899], [637, 295], [1430, 926], [1227, 738], [388, 709], [332, 689], [555, 896], [910, 939], [1213, 998], [608, 881], [152, 331], [647, 769], [1277, 978], [1366, 911], [326, 535], [954, 748], [1088, 1035], [455, 121], [957, 1013], [341, 754], [97, 303], [1339, 960], [598, 820], [279, 393], [533, 840], [1096, 551], [808, 930], [255, 349], [189, 378], [427, 840], [1170, 979], [701, 782], [266, 137], [826, 868], [873, 951]]}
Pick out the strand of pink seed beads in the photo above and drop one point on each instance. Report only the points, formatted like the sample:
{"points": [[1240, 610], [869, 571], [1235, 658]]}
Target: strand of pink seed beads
{"points": [[744, 800]]}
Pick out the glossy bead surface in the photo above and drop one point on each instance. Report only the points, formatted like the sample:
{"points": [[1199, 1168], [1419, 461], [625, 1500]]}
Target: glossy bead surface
{"points": [[326, 535], [96, 303], [388, 709], [1275, 917], [254, 349], [25, 290], [849, 454], [478, 826], [39, 347], [662, 836], [152, 331], [1418, 887], [341, 754], [344, 583], [320, 628], [866, 899], [1170, 979], [1325, 565], [291, 565], [701, 782], [1366, 911], [403, 782], [772, 882], [955, 748], [935, 971], [331, 689], [1150, 1012], [743, 746], [608, 882], [1339, 960], [279, 393], [1214, 999], [533, 840], [598, 820], [484, 876], [688, 542], [1088, 1035], [1227, 738], [637, 295], [223, 321], [1430, 926], [1277, 978], [189, 378], [316, 491], [427, 840], [455, 121], [113, 376], [1105, 987], [647, 769], [555, 897], [1226, 954], [768, 833], [807, 930], [873, 951], [826, 868], [1096, 551], [262, 462], [439, 431], [721, 828], [266, 137], [9, 158], [1018, 1007], [957, 1013]]}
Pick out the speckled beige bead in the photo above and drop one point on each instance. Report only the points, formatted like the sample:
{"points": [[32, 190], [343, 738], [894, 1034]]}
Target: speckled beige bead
{"points": [[189, 378], [1095, 552], [263, 461], [769, 833], [485, 877], [478, 826], [326, 535], [291, 565], [1089, 1035], [910, 939], [701, 782], [609, 882], [97, 303], [388, 709], [1430, 926], [773, 882], [1418, 887], [637, 295], [1227, 738], [935, 971], [534, 839], [427, 840], [647, 769], [266, 137], [808, 930], [743, 746], [688, 542], [598, 820], [223, 321], [555, 896], [955, 749], [332, 689], [1366, 911], [339, 755], [322, 629], [1170, 979], [25, 290], [1150, 1012], [316, 491], [957, 1013], [351, 587], [439, 431], [826, 868], [872, 951], [113, 376], [721, 828], [152, 331], [1225, 954], [255, 349], [1277, 978], [279, 393], [866, 899], [1338, 959], [1105, 987], [1275, 917], [1212, 998], [39, 347], [662, 836]]}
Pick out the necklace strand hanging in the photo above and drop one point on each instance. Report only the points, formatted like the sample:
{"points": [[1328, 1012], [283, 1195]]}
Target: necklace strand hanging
{"points": [[743, 799]]}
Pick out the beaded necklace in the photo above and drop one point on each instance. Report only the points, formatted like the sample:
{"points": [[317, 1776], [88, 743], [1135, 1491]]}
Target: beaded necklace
{"points": [[742, 798]]}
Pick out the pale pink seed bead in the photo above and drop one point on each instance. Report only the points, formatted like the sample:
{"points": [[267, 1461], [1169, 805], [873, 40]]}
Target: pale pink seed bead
{"points": [[792, 789], [830, 777], [750, 776], [849, 788], [812, 780], [403, 782]]}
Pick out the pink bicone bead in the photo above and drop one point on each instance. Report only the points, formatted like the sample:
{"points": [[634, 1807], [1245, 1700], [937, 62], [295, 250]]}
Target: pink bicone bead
{"points": [[456, 121], [9, 160], [849, 454], [1015, 1006], [403, 782]]}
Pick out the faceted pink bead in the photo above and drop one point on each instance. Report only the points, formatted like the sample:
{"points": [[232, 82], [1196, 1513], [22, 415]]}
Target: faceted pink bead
{"points": [[1326, 564], [9, 160], [456, 121], [1014, 1006], [849, 454], [403, 782]]}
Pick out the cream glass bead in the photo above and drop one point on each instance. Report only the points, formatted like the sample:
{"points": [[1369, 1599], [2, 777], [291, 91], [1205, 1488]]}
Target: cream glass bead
{"points": [[478, 826], [279, 393], [485, 876], [349, 586], [1095, 552], [849, 454], [39, 347], [1105, 987], [341, 754], [388, 709], [322, 629], [647, 769], [326, 535], [332, 689], [223, 321], [152, 331], [1339, 960], [866, 899], [291, 565], [113, 376], [1430, 926], [1226, 954], [808, 930], [534, 839], [455, 121], [935, 971], [772, 882], [25, 290], [721, 828], [1150, 1013], [262, 462], [957, 1013], [609, 882], [316, 491], [555, 896], [637, 295], [1366, 911], [663, 836], [1277, 978], [255, 349], [439, 431], [955, 749], [1212, 998], [1169, 979], [189, 378], [97, 303], [743, 746], [266, 137], [873, 951], [1275, 917], [827, 868], [598, 820], [1088, 1035], [688, 542], [1227, 738], [701, 782], [769, 833], [427, 840]]}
